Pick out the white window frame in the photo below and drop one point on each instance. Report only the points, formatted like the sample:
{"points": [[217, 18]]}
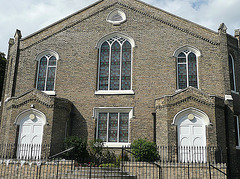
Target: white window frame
{"points": [[238, 132], [189, 49], [99, 45], [38, 58], [118, 110], [187, 66], [116, 12]]}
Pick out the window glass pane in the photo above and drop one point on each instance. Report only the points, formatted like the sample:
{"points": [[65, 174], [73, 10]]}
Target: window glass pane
{"points": [[237, 130], [117, 17], [50, 79], [126, 66], [113, 127], [123, 129], [102, 126], [104, 67], [231, 74], [181, 58], [115, 66], [52, 61], [192, 70], [182, 76], [42, 74]]}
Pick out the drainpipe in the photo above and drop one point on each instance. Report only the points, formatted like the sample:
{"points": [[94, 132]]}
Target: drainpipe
{"points": [[227, 142], [154, 127]]}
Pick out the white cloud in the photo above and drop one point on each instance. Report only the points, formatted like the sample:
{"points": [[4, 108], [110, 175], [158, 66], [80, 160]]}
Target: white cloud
{"points": [[30, 15], [209, 13]]}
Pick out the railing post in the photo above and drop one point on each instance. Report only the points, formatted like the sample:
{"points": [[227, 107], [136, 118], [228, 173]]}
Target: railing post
{"points": [[210, 175], [90, 171], [159, 173], [122, 159], [40, 171], [57, 169]]}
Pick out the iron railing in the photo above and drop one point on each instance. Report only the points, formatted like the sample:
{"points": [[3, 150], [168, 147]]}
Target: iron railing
{"points": [[177, 162], [43, 161]]}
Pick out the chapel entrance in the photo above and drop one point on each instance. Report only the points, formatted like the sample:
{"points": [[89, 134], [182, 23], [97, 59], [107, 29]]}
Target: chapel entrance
{"points": [[191, 127], [30, 136]]}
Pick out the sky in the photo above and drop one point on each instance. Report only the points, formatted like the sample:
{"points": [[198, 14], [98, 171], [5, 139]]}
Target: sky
{"points": [[30, 16]]}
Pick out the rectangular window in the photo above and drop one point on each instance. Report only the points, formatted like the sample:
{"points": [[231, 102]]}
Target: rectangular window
{"points": [[237, 131], [113, 125]]}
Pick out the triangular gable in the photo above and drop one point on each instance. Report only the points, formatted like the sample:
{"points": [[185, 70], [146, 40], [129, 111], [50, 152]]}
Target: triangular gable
{"points": [[145, 9], [188, 94], [28, 97]]}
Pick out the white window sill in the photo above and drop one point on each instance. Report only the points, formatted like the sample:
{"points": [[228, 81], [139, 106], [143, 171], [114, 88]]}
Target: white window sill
{"points": [[235, 92], [238, 147], [114, 92], [51, 93], [116, 144], [228, 97]]}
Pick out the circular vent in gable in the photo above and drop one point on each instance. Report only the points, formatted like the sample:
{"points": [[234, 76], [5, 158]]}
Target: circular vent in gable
{"points": [[116, 17]]}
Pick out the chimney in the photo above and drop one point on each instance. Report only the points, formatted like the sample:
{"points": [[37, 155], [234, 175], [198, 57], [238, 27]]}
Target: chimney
{"points": [[237, 34], [222, 28]]}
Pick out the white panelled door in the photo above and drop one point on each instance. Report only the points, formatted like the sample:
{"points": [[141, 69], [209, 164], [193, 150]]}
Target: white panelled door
{"points": [[192, 140], [30, 137]]}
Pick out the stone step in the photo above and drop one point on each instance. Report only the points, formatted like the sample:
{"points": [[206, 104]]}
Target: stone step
{"points": [[97, 177], [96, 172], [97, 168]]}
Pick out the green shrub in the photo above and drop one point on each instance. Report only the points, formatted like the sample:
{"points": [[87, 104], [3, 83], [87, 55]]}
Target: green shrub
{"points": [[108, 157], [124, 157], [144, 150], [101, 154], [96, 148], [80, 148], [120, 158]]}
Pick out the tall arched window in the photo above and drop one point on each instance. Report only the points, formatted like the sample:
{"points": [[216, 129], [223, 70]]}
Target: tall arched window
{"points": [[47, 63], [115, 65], [232, 72], [187, 70]]}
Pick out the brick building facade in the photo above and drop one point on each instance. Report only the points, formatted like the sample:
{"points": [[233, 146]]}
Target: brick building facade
{"points": [[120, 70]]}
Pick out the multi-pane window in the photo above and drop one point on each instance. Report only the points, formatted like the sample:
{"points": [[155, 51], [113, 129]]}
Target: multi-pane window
{"points": [[46, 73], [232, 72], [187, 70], [115, 64], [113, 126]]}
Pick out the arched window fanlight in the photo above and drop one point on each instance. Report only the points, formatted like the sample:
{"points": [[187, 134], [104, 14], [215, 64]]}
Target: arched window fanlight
{"points": [[116, 17]]}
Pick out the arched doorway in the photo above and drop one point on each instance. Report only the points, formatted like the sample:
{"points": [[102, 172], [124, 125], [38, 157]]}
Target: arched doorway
{"points": [[191, 128], [31, 124]]}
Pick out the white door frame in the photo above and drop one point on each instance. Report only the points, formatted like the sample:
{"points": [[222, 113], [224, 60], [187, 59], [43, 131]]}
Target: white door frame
{"points": [[190, 118], [31, 149]]}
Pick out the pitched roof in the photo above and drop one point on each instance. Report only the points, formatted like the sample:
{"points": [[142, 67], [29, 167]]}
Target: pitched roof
{"points": [[136, 5]]}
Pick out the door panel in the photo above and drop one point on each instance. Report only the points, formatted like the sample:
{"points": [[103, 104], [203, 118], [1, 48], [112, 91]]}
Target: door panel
{"points": [[197, 130], [30, 138], [191, 140], [185, 141]]}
